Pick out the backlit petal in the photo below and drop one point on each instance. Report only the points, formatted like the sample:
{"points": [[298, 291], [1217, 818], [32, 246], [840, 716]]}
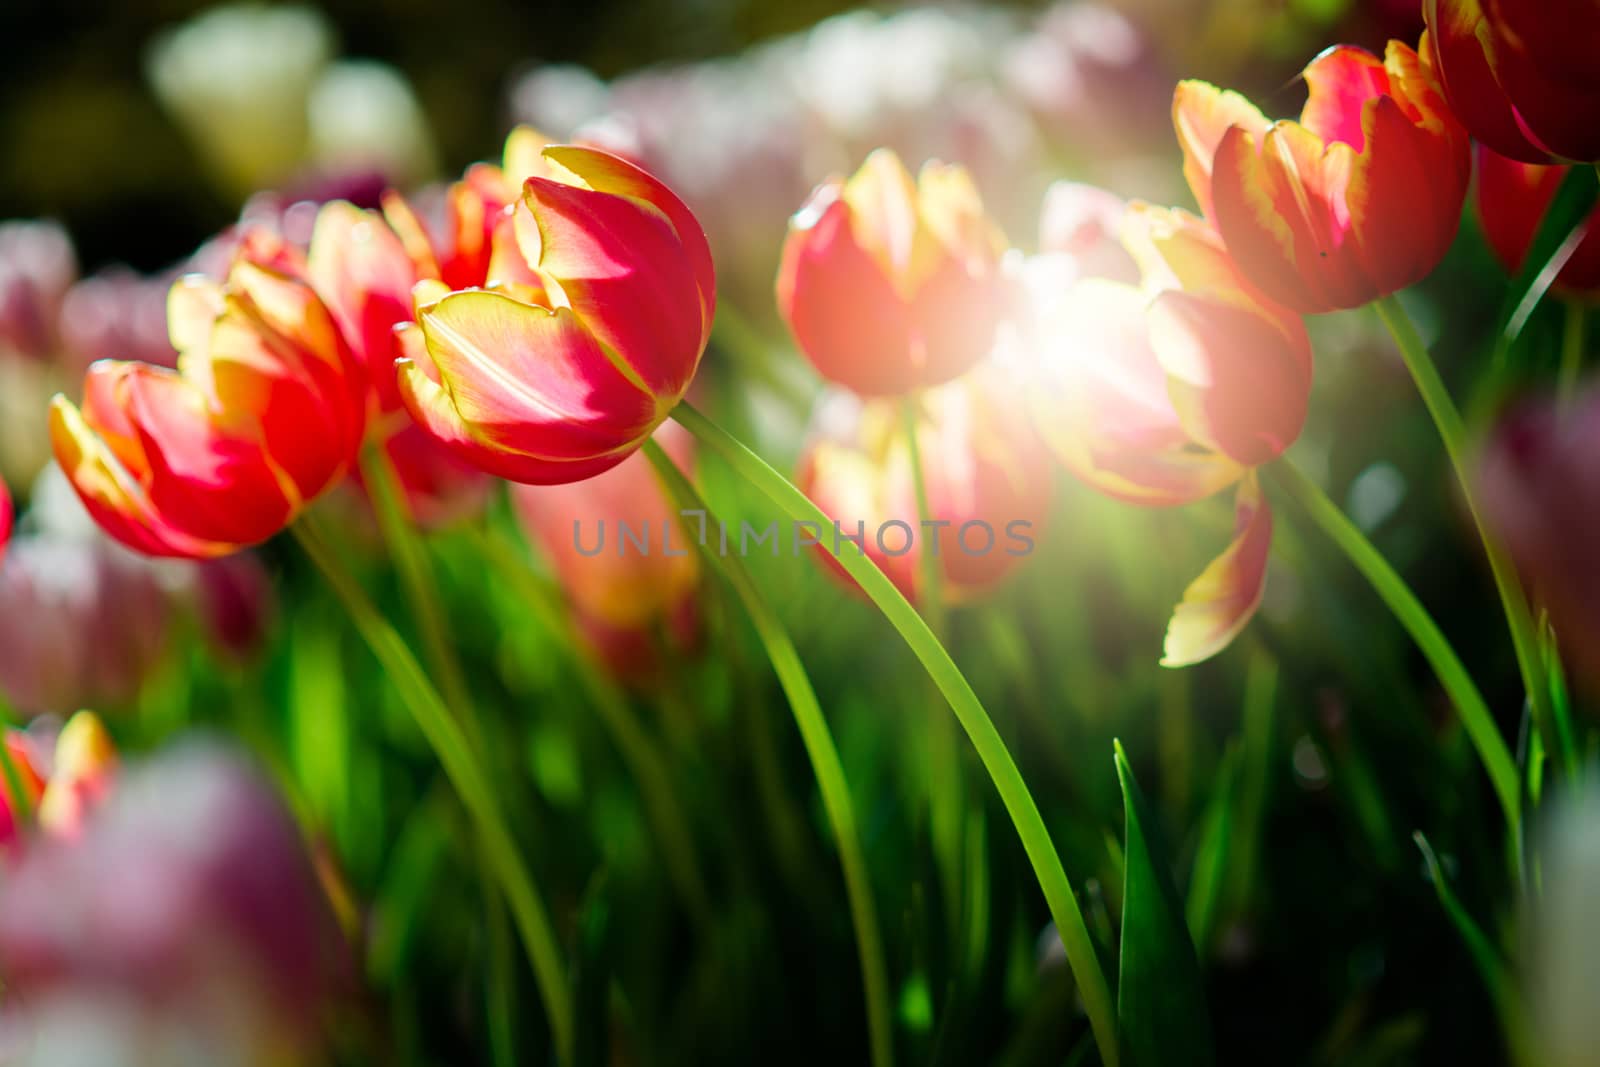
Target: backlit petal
{"points": [[1220, 603]]}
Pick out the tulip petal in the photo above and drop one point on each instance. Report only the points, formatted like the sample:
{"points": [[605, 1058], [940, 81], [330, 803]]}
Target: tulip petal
{"points": [[1459, 60], [434, 411], [1342, 80], [627, 275], [1202, 114], [1402, 200], [1238, 380], [530, 380], [842, 308], [116, 502], [1103, 405], [213, 484], [606, 173], [364, 276], [1222, 600]]}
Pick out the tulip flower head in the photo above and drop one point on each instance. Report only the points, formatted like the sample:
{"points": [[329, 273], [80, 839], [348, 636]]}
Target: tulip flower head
{"points": [[1167, 393], [1521, 74], [628, 596], [889, 284], [987, 475], [1358, 199], [599, 307], [62, 780], [264, 413], [1513, 199]]}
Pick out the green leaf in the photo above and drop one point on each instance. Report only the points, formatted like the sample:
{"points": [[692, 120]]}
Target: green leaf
{"points": [[1211, 854], [1485, 956], [1161, 1009], [591, 978]]}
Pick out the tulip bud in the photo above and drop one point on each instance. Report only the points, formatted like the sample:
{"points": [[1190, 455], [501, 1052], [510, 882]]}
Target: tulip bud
{"points": [[1520, 75], [265, 413], [80, 775], [1513, 199], [890, 285], [623, 555], [590, 341], [1357, 200], [1172, 392]]}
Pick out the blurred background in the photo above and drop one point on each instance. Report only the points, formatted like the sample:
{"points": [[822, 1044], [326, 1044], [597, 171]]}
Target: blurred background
{"points": [[132, 134]]}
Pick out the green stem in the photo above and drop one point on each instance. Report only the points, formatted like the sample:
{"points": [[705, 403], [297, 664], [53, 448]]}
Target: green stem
{"points": [[944, 756], [639, 752], [1572, 337], [824, 756], [991, 748], [445, 736], [1451, 430], [416, 576], [1470, 705]]}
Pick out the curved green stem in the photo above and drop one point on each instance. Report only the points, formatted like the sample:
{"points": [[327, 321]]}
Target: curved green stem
{"points": [[824, 756], [639, 753], [1469, 702], [991, 748], [1447, 419], [448, 741]]}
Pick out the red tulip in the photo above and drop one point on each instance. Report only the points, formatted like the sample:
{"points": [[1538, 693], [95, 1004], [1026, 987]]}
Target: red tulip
{"points": [[625, 593], [82, 770], [62, 779], [987, 476], [1359, 199], [1168, 394], [1513, 199], [602, 305], [265, 413], [1521, 74], [891, 285]]}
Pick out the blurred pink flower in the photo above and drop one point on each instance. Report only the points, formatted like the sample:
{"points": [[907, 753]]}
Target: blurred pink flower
{"points": [[1539, 482], [37, 264], [187, 914]]}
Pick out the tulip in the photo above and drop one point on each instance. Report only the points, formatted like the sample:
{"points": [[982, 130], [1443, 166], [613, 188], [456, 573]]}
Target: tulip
{"points": [[603, 308], [1357, 200], [1172, 392], [1521, 76], [185, 915], [1538, 487], [624, 593], [986, 474], [81, 773], [25, 762], [890, 285], [1513, 199], [62, 779], [265, 413]]}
